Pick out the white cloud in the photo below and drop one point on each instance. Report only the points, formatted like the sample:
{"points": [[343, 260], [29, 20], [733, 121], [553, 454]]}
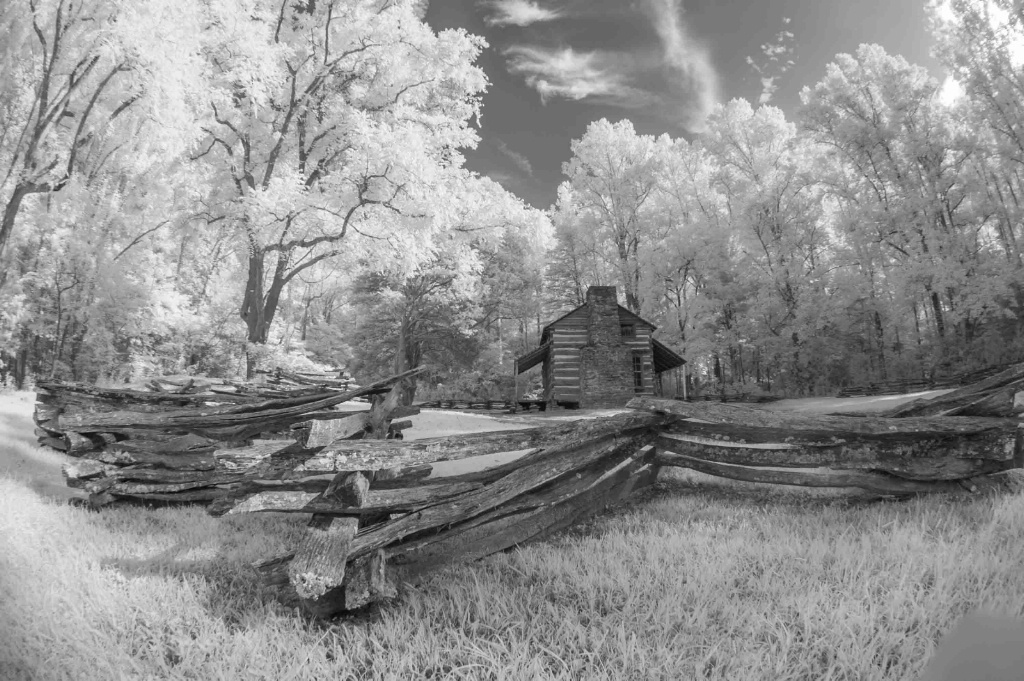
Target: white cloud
{"points": [[501, 177], [776, 59], [519, 13], [609, 77], [689, 61], [568, 74], [518, 159], [509, 181]]}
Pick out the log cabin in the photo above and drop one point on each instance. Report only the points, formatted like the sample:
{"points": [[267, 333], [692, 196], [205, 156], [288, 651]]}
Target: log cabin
{"points": [[599, 355]]}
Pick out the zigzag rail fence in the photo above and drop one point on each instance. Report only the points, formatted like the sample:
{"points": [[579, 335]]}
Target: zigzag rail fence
{"points": [[386, 510]]}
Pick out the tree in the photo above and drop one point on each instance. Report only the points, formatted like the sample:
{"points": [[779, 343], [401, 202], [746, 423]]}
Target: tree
{"points": [[579, 258], [331, 120], [445, 311], [908, 177], [694, 249], [82, 81], [981, 42], [612, 179], [757, 188]]}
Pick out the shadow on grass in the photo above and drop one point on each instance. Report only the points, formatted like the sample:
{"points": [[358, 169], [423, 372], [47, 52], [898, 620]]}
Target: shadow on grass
{"points": [[676, 486], [16, 429], [218, 564], [22, 458]]}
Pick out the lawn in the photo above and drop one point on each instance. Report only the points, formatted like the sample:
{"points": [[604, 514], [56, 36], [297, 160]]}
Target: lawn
{"points": [[695, 579]]}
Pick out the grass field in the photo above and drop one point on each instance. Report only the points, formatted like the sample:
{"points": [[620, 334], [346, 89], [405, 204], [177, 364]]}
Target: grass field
{"points": [[694, 580]]}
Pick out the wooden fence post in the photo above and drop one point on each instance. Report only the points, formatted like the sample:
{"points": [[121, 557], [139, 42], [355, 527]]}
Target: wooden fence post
{"points": [[515, 391]]}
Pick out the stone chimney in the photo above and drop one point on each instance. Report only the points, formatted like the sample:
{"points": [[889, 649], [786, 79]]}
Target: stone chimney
{"points": [[606, 364], [603, 321]]}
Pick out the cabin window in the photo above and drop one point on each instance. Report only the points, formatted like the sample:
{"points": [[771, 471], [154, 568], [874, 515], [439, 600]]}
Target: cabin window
{"points": [[638, 373], [628, 331]]}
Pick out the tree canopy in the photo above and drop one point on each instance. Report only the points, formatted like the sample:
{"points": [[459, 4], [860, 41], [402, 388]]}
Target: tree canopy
{"points": [[283, 184]]}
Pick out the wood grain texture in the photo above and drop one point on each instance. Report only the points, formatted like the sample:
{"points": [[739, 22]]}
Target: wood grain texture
{"points": [[319, 562], [841, 425], [879, 483], [265, 412]]}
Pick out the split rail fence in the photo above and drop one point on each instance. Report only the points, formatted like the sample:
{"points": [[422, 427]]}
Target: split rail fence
{"points": [[384, 511]]}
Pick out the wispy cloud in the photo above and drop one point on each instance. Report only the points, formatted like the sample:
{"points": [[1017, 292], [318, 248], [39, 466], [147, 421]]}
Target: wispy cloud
{"points": [[568, 74], [776, 60], [689, 82], [519, 13], [502, 178], [688, 61], [517, 159]]}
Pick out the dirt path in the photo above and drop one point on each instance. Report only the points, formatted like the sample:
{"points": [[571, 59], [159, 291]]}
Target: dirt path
{"points": [[827, 405], [438, 422]]}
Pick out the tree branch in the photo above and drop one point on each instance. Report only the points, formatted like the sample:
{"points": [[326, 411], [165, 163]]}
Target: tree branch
{"points": [[139, 238]]}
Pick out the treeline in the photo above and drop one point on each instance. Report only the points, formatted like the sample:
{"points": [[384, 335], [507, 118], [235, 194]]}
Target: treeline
{"points": [[875, 237], [285, 187], [269, 184]]}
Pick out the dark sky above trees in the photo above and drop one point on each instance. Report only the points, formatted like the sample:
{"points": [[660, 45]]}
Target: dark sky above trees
{"points": [[557, 65]]}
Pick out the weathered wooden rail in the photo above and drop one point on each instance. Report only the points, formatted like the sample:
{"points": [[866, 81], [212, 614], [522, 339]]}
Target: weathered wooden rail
{"points": [[161, 446], [460, 498], [384, 511]]}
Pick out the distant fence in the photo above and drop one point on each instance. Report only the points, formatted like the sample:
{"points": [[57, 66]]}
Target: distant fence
{"points": [[528, 404], [484, 405], [903, 386], [739, 397]]}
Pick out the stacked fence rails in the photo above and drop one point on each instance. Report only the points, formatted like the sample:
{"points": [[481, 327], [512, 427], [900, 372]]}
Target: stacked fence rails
{"points": [[403, 508], [1001, 394], [339, 379], [881, 455], [399, 509], [159, 446], [386, 511]]}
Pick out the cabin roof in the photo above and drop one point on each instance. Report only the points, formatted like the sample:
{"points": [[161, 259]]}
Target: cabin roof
{"points": [[624, 316], [532, 358], [664, 357]]}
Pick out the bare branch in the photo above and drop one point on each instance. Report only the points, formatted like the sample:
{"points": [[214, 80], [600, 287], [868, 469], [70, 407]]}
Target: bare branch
{"points": [[85, 115], [139, 238], [323, 256]]}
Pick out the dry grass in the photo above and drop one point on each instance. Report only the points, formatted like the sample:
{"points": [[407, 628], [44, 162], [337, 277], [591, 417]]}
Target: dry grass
{"points": [[693, 581]]}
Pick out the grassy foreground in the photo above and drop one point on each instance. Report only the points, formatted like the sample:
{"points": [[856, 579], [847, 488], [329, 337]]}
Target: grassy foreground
{"points": [[695, 581]]}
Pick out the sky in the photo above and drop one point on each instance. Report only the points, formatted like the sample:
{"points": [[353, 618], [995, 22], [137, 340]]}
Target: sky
{"points": [[556, 65]]}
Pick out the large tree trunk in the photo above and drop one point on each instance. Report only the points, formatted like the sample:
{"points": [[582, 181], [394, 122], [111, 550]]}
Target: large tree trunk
{"points": [[21, 368], [21, 190], [940, 323], [252, 311], [409, 353], [258, 309]]}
